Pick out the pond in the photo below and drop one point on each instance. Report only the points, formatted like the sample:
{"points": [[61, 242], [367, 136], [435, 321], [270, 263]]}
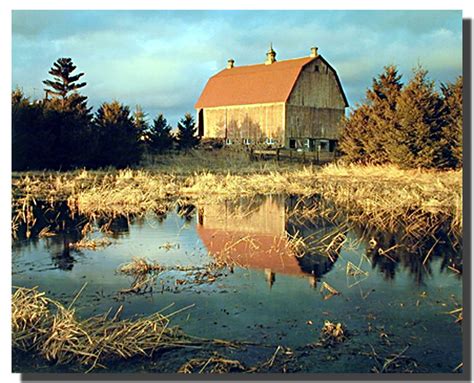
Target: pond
{"points": [[291, 270]]}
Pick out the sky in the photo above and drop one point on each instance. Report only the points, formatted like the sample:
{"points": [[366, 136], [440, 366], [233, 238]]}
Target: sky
{"points": [[161, 60]]}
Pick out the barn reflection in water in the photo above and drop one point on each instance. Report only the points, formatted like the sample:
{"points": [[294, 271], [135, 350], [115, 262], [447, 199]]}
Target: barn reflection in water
{"points": [[257, 233]]}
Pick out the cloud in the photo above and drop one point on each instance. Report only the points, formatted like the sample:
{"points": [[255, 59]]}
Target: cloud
{"points": [[162, 59]]}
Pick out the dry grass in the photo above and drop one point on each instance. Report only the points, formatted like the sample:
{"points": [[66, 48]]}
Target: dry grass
{"points": [[43, 325], [212, 365], [90, 244], [384, 197], [388, 198], [144, 274], [139, 266], [333, 333]]}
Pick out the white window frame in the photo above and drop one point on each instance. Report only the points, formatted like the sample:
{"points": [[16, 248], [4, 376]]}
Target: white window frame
{"points": [[269, 141], [228, 141], [247, 141]]}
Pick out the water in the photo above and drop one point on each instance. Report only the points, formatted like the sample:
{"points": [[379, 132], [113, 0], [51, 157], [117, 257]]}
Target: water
{"points": [[395, 302]]}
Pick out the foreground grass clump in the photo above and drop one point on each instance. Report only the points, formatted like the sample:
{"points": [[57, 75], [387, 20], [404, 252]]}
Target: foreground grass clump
{"points": [[139, 266], [384, 197], [212, 365], [45, 326]]}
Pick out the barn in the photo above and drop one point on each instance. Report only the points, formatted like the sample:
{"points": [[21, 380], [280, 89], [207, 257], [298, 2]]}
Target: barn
{"points": [[295, 104]]}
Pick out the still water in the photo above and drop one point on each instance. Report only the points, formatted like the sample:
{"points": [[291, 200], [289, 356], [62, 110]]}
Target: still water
{"points": [[394, 301]]}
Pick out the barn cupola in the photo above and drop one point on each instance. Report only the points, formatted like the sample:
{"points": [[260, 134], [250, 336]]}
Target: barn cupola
{"points": [[314, 52], [230, 63], [271, 56]]}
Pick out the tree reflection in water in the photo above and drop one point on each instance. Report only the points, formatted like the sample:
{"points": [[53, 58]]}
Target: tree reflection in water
{"points": [[267, 223], [68, 228]]}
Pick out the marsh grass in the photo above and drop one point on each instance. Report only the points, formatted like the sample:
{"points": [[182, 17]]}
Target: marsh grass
{"points": [[43, 325], [387, 198], [89, 243], [332, 333], [139, 266], [212, 365], [144, 275]]}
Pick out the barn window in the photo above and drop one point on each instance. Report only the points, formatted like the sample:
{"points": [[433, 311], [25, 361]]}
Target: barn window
{"points": [[324, 145], [269, 141], [316, 68], [228, 141], [309, 143], [292, 143], [247, 141]]}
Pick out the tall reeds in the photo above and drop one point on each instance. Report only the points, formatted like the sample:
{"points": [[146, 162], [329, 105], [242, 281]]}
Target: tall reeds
{"points": [[43, 325], [384, 197]]}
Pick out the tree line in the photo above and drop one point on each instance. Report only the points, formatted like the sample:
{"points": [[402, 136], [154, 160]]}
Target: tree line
{"points": [[61, 132], [410, 125]]}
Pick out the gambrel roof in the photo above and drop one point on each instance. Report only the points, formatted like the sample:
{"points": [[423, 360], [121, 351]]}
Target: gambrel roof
{"points": [[255, 84]]}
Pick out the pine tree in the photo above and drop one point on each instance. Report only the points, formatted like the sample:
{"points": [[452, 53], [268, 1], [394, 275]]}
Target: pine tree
{"points": [[65, 84], [354, 134], [69, 116], [382, 98], [366, 133], [140, 122], [187, 133], [29, 128], [161, 138], [420, 115], [118, 138], [452, 131]]}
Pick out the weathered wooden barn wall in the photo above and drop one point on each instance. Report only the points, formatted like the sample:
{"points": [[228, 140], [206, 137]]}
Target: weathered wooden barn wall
{"points": [[317, 87], [308, 122], [316, 104], [256, 122]]}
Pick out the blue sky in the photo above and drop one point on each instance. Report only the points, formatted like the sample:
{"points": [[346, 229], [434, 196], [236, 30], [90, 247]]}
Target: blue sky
{"points": [[161, 60]]}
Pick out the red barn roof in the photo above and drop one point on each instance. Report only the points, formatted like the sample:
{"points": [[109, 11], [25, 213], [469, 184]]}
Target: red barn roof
{"points": [[252, 84]]}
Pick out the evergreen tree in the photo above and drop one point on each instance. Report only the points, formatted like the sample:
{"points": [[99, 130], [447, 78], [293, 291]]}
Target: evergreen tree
{"points": [[382, 98], [117, 136], [69, 116], [452, 132], [140, 122], [366, 133], [32, 135], [64, 82], [161, 138], [411, 126], [419, 133], [354, 134], [187, 133]]}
